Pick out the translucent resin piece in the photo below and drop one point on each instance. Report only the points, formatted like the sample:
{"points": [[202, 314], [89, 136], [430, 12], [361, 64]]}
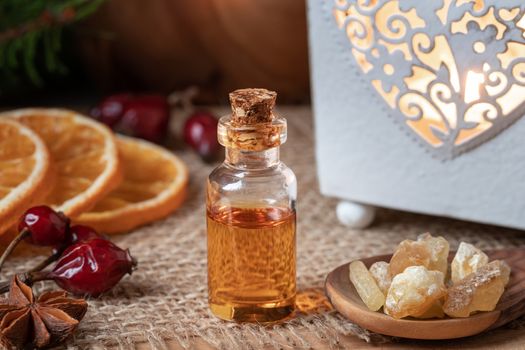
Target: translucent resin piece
{"points": [[414, 291], [381, 274], [366, 286], [439, 249], [479, 291], [409, 253], [467, 260], [435, 311]]}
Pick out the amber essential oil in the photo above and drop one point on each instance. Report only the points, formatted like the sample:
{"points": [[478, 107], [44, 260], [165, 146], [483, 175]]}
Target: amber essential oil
{"points": [[251, 263], [251, 215]]}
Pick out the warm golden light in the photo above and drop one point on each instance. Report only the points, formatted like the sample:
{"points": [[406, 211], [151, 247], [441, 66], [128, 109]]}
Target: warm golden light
{"points": [[479, 47], [452, 85], [473, 85]]}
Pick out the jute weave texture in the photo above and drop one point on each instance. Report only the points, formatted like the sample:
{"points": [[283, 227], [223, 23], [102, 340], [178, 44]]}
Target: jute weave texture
{"points": [[166, 298]]}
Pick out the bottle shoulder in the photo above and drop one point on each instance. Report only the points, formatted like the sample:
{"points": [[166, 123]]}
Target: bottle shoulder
{"points": [[225, 171], [273, 185]]}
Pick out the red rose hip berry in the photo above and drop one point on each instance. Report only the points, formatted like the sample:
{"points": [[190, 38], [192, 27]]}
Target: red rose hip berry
{"points": [[92, 267], [145, 116], [110, 110], [81, 233], [46, 227], [200, 133]]}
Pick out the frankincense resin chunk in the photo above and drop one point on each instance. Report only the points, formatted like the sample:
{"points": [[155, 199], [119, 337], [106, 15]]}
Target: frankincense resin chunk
{"points": [[414, 291], [435, 311], [439, 249], [409, 253], [379, 271], [366, 286], [468, 259], [479, 291]]}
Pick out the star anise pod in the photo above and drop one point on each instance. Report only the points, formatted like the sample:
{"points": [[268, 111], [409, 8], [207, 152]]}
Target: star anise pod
{"points": [[42, 322]]}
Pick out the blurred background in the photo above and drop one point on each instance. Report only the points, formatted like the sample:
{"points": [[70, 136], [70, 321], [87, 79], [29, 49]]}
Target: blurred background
{"points": [[77, 51]]}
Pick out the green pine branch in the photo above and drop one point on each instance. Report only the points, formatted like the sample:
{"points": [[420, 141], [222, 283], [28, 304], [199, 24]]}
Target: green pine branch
{"points": [[31, 29]]}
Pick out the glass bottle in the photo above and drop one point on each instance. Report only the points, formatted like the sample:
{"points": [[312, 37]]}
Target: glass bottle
{"points": [[251, 215]]}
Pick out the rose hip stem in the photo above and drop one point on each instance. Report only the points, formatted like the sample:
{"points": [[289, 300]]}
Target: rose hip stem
{"points": [[4, 287], [21, 236], [27, 278], [49, 260], [42, 265], [32, 274]]}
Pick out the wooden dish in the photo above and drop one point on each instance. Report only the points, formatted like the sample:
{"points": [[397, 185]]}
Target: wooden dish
{"points": [[345, 299]]}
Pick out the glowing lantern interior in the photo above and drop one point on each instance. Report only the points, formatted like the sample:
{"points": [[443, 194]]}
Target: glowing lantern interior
{"points": [[455, 69]]}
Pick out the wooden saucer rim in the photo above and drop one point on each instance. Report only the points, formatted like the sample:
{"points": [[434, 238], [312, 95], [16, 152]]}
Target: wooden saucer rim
{"points": [[345, 299]]}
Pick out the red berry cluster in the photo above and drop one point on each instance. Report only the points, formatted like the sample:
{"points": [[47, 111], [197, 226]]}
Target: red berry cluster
{"points": [[148, 116], [86, 262], [143, 116], [200, 133]]}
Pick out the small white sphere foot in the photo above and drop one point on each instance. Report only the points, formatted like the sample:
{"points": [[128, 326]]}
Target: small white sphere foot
{"points": [[355, 215]]}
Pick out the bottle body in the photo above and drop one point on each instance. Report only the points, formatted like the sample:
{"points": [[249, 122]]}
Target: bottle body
{"points": [[251, 222]]}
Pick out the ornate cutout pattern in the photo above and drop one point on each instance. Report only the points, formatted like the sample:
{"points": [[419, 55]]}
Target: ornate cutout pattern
{"points": [[452, 71]]}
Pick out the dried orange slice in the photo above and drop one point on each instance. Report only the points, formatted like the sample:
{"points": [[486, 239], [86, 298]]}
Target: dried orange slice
{"points": [[154, 185], [84, 156], [24, 170]]}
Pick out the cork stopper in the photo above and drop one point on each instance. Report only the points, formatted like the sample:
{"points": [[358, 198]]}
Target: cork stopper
{"points": [[252, 106]]}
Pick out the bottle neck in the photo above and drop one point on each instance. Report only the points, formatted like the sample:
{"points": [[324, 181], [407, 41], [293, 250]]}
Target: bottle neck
{"points": [[252, 159]]}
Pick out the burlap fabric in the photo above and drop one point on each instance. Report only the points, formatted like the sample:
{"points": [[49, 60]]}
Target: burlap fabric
{"points": [[166, 298]]}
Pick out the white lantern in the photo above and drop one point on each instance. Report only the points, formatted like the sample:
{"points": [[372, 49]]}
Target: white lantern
{"points": [[418, 105]]}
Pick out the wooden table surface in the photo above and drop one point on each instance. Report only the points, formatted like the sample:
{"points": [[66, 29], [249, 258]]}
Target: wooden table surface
{"points": [[503, 339]]}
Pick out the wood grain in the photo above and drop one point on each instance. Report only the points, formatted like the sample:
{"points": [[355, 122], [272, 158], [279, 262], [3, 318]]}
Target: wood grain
{"points": [[345, 299], [218, 45]]}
